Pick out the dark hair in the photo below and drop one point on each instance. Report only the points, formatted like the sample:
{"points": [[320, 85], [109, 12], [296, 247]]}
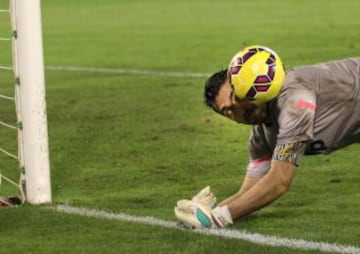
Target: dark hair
{"points": [[213, 85]]}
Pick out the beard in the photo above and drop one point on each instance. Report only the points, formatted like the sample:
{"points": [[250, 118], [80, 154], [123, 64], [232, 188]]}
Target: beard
{"points": [[250, 114], [255, 115]]}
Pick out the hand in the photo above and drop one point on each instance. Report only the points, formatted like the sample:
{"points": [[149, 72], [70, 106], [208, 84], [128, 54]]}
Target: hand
{"points": [[193, 215], [206, 198]]}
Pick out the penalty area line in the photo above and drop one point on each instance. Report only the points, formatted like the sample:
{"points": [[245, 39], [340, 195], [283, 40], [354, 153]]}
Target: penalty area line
{"points": [[256, 238], [122, 71]]}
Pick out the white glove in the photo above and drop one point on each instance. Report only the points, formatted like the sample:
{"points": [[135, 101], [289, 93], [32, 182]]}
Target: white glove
{"points": [[202, 211], [193, 215], [206, 198], [196, 213]]}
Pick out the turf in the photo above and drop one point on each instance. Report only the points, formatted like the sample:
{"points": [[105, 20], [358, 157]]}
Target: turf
{"points": [[136, 143]]}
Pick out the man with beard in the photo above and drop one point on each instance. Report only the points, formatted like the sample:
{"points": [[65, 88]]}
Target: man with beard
{"points": [[315, 110]]}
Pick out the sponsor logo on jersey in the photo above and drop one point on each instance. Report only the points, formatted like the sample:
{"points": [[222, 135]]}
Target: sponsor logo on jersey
{"points": [[286, 150], [305, 104]]}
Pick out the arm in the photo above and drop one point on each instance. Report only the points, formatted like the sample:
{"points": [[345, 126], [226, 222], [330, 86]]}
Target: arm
{"points": [[256, 169], [267, 189], [266, 181], [247, 184], [254, 194], [273, 182]]}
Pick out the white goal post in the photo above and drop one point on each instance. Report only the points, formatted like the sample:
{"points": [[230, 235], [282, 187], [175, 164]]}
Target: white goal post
{"points": [[30, 101]]}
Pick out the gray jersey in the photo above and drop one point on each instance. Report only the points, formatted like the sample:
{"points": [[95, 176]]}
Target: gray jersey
{"points": [[318, 104]]}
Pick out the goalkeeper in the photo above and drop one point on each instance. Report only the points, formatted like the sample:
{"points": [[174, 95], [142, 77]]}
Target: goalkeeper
{"points": [[316, 111]]}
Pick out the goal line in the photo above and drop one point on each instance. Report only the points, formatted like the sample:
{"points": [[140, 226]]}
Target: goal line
{"points": [[123, 71], [224, 233]]}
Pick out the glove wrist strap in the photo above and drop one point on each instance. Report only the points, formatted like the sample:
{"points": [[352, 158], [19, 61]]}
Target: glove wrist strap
{"points": [[221, 216]]}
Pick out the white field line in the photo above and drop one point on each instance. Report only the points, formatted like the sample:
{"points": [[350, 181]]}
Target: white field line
{"points": [[122, 71], [224, 233]]}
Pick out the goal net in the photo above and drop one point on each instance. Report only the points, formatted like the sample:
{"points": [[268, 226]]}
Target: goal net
{"points": [[24, 156]]}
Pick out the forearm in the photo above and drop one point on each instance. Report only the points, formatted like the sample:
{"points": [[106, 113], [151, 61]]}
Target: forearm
{"points": [[265, 192], [247, 184], [274, 184]]}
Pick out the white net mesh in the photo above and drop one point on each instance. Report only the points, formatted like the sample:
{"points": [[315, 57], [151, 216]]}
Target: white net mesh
{"points": [[11, 167]]}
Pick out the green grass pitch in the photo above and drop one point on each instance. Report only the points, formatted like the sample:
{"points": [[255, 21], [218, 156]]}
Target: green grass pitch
{"points": [[136, 144]]}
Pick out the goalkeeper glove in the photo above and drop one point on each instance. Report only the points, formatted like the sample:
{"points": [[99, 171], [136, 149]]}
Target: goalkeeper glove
{"points": [[202, 211], [206, 198], [193, 215]]}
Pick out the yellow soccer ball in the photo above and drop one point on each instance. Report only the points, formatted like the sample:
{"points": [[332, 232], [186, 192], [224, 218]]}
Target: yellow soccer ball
{"points": [[257, 74]]}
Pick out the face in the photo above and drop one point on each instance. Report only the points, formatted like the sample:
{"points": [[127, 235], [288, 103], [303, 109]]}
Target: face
{"points": [[241, 111]]}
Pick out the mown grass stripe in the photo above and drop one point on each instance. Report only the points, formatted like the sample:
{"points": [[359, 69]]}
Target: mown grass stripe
{"points": [[225, 233]]}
